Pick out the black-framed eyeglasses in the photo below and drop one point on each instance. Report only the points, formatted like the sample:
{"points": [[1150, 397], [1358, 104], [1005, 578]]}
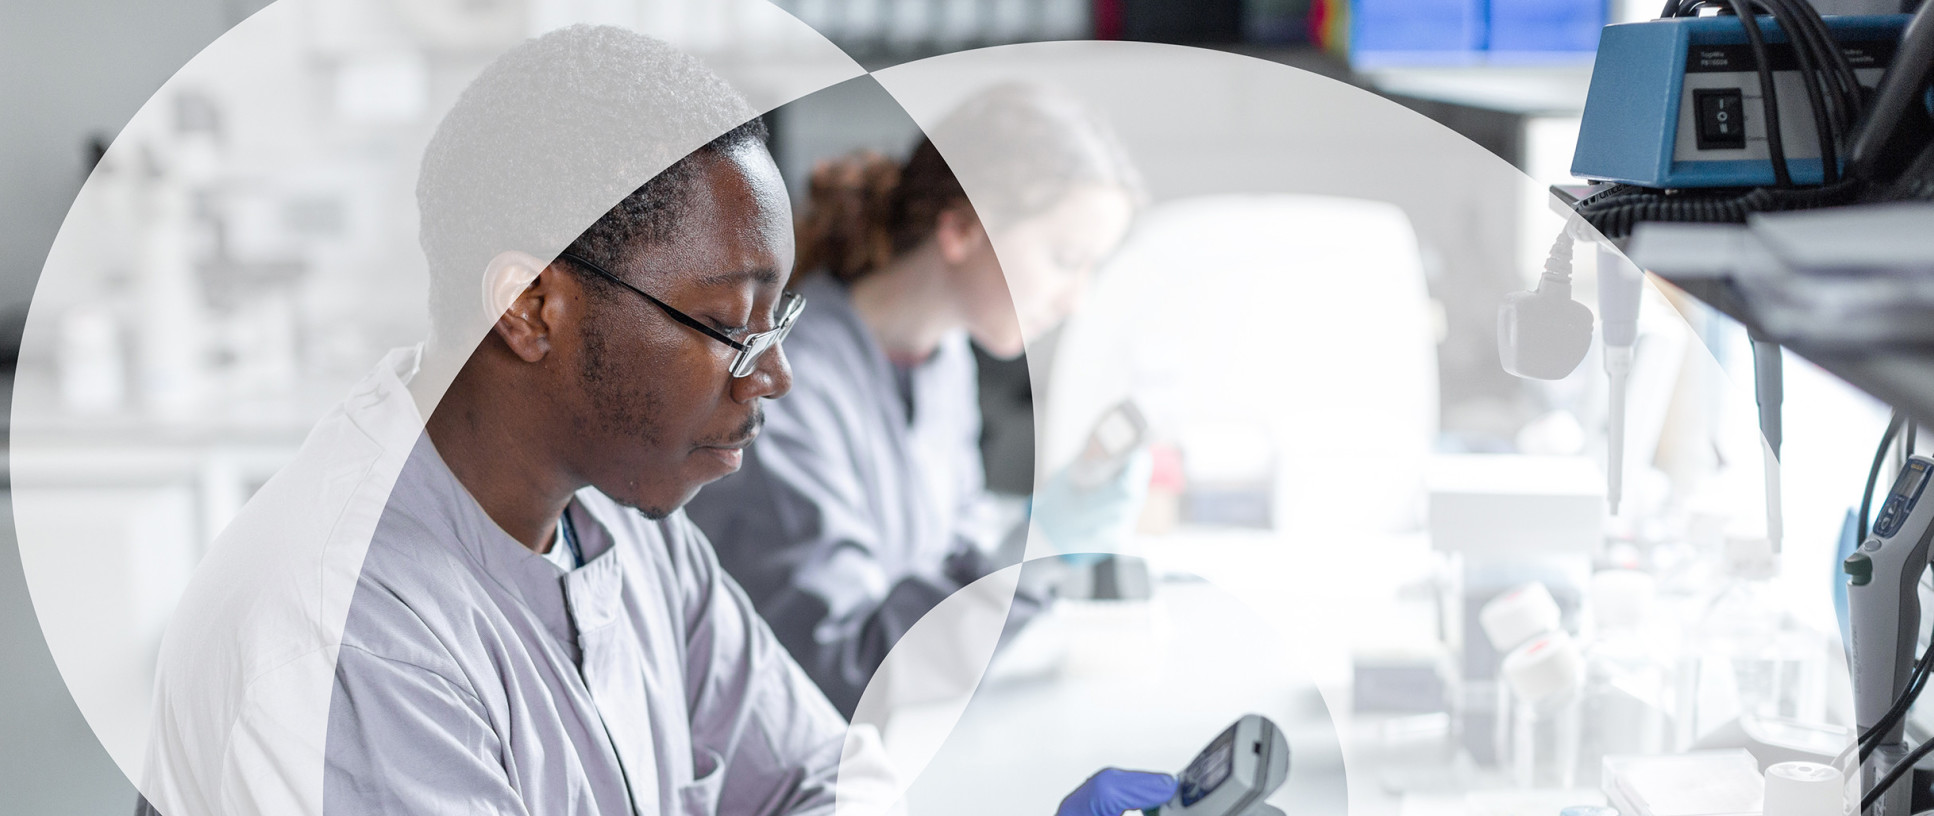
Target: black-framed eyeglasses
{"points": [[749, 349]]}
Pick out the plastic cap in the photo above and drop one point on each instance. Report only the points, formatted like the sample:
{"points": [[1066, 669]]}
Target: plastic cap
{"points": [[1547, 666], [1860, 569], [1805, 789], [1622, 598], [1518, 615]]}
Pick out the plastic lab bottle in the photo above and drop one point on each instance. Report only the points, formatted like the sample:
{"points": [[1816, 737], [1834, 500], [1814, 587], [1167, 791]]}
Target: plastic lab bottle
{"points": [[1626, 705], [1545, 679], [1509, 621], [1746, 656]]}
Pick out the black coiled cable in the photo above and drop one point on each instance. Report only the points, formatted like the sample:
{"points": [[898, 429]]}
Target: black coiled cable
{"points": [[1614, 215]]}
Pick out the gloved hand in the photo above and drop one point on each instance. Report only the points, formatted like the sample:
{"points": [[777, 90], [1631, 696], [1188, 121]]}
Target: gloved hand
{"points": [[1111, 791], [1097, 519]]}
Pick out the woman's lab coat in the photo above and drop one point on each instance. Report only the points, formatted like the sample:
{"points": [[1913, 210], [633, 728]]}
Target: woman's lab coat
{"points": [[853, 513]]}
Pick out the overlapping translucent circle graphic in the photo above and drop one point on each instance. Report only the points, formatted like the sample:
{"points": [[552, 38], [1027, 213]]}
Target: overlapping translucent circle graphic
{"points": [[1293, 307]]}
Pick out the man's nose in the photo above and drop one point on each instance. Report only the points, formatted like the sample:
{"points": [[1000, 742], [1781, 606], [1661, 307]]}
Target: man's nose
{"points": [[771, 377]]}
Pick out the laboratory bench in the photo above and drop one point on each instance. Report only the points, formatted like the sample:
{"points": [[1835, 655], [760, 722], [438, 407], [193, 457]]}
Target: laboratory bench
{"points": [[1237, 621]]}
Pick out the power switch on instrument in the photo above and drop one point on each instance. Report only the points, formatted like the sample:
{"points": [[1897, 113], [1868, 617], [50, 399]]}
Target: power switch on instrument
{"points": [[1722, 119]]}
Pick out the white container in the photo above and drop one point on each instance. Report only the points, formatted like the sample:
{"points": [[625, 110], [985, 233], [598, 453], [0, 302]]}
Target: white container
{"points": [[1805, 789], [1517, 616], [1544, 680]]}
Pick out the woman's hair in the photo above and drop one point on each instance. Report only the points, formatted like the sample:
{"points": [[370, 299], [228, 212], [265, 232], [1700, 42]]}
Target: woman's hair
{"points": [[1020, 148]]}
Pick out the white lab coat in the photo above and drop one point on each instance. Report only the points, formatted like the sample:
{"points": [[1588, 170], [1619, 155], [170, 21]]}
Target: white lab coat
{"points": [[850, 518], [349, 648]]}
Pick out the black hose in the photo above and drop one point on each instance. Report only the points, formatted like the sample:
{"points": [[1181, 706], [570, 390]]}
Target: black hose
{"points": [[1873, 477], [1870, 738], [1800, 38], [1769, 97], [1905, 767]]}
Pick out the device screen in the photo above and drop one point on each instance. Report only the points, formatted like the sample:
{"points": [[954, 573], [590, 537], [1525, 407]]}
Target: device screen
{"points": [[1115, 433], [1900, 501], [1210, 769], [1910, 480]]}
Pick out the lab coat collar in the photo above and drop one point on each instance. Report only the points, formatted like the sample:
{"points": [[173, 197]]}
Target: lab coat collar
{"points": [[525, 575], [583, 600]]}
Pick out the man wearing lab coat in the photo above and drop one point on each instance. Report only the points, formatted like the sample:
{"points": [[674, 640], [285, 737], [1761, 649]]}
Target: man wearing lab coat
{"points": [[473, 592]]}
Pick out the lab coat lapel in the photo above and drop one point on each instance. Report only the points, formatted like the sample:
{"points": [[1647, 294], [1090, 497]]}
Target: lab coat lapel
{"points": [[612, 663]]}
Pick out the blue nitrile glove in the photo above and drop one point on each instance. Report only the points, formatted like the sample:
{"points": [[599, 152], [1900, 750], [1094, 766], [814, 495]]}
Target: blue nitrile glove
{"points": [[1112, 791], [1098, 519]]}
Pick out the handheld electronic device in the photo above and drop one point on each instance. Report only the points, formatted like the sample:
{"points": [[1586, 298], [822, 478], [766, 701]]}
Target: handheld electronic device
{"points": [[1116, 435], [1883, 605], [1240, 768]]}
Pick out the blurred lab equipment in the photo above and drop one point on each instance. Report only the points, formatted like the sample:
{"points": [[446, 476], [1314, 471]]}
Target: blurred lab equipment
{"points": [[1842, 280], [1555, 511], [1447, 33], [1555, 505], [1111, 791], [93, 377], [1700, 783], [1769, 390], [1535, 731], [1116, 435], [1683, 123], [1805, 789], [1545, 678], [1626, 709], [1746, 659], [1240, 768], [1514, 618], [1542, 333], [1683, 102], [1094, 504], [1095, 518], [1884, 608], [901, 27], [1889, 145], [1619, 287], [1281, 452]]}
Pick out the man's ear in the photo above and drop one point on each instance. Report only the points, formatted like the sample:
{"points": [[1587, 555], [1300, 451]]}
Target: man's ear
{"points": [[514, 295], [959, 233]]}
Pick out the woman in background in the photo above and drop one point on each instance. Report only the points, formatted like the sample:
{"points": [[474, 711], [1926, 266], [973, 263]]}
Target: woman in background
{"points": [[854, 513]]}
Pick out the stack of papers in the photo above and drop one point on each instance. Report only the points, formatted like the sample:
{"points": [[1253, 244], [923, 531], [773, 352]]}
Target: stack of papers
{"points": [[1703, 783]]}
